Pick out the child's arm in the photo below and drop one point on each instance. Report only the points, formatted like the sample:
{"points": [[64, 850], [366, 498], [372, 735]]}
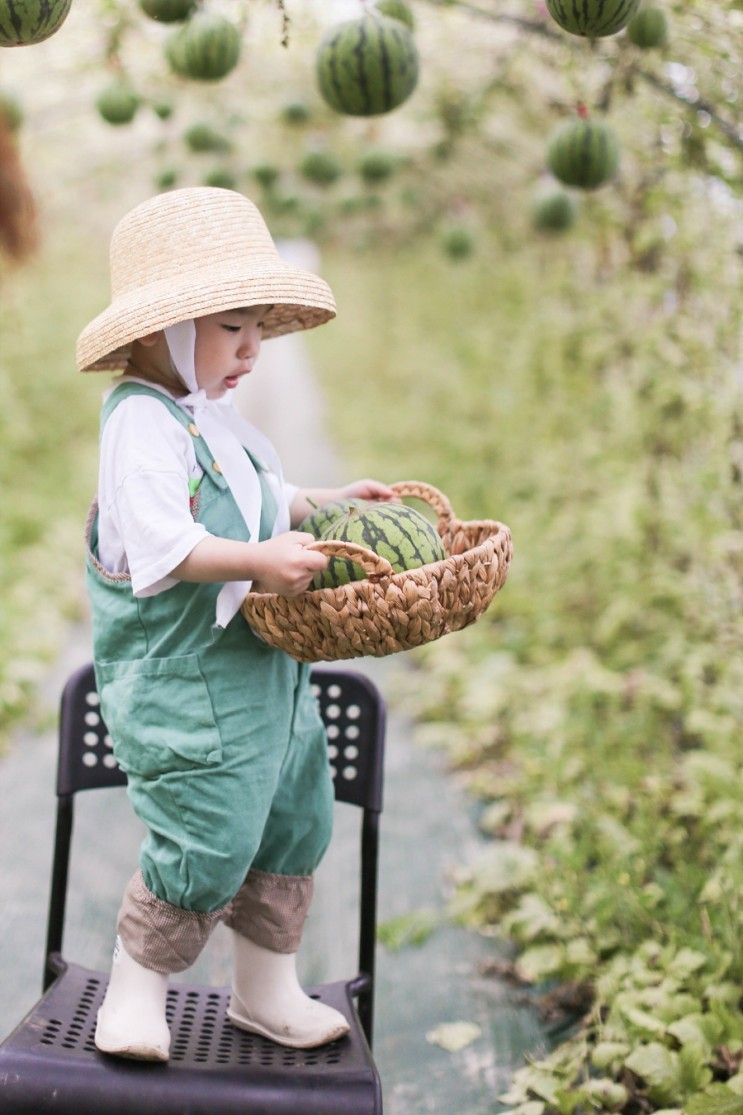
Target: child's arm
{"points": [[282, 564], [308, 499]]}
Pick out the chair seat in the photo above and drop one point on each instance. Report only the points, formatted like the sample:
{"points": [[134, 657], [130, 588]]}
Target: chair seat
{"points": [[50, 1063]]}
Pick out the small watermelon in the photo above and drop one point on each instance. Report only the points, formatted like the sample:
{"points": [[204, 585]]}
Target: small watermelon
{"points": [[648, 29], [168, 11], [25, 22], [296, 112], [319, 520], [367, 66], [554, 212], [397, 9], [118, 103], [376, 166], [201, 138], [592, 18], [206, 48], [584, 154], [266, 175], [457, 242], [163, 109], [166, 179], [221, 177], [320, 167], [392, 530]]}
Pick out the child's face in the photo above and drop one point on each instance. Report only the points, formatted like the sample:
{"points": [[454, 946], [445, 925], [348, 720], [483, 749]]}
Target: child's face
{"points": [[227, 347]]}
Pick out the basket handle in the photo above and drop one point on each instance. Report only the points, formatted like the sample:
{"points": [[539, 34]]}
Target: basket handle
{"points": [[372, 564], [432, 496]]}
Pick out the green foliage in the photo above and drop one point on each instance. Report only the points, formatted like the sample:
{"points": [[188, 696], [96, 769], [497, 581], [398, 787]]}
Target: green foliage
{"points": [[48, 428], [590, 402]]}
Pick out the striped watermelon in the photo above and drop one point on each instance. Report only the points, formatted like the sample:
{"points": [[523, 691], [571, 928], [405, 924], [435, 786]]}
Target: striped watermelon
{"points": [[648, 29], [584, 154], [554, 211], [593, 18], [118, 103], [367, 66], [206, 48], [168, 11], [396, 532], [24, 22], [323, 517]]}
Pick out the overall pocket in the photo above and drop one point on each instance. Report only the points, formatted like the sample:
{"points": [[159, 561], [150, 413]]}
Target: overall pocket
{"points": [[159, 714]]}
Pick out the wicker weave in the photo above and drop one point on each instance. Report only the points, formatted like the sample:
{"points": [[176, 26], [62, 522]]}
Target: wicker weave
{"points": [[390, 611]]}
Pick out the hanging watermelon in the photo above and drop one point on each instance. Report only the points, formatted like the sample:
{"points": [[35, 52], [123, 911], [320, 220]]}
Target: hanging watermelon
{"points": [[367, 66], [320, 167], [168, 11], [206, 48], [554, 212], [592, 18], [118, 103], [25, 22], [584, 153], [648, 29]]}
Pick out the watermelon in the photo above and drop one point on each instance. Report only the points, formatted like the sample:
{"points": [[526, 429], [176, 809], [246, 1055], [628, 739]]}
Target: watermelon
{"points": [[206, 48], [648, 29], [203, 137], [319, 520], [398, 533], [162, 109], [592, 18], [118, 103], [320, 167], [266, 175], [166, 179], [296, 112], [457, 242], [376, 166], [25, 22], [168, 11], [367, 66], [554, 212], [397, 9], [584, 154], [221, 177]]}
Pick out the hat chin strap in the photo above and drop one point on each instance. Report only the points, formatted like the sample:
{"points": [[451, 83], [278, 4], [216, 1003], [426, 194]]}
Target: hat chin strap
{"points": [[181, 339], [226, 435]]}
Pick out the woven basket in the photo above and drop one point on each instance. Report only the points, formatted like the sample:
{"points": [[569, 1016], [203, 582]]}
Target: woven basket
{"points": [[389, 611]]}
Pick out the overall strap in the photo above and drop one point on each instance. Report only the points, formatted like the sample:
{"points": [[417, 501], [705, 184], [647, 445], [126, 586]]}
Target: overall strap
{"points": [[203, 456]]}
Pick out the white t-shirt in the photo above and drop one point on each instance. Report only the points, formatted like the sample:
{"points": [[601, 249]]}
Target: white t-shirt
{"points": [[145, 525]]}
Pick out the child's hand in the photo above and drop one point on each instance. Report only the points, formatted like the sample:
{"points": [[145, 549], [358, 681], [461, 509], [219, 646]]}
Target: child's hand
{"points": [[368, 489], [285, 565]]}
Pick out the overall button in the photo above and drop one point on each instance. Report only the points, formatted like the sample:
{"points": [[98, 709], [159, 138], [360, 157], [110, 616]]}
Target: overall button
{"points": [[194, 430], [217, 467]]}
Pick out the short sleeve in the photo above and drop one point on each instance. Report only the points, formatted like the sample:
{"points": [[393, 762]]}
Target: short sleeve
{"points": [[145, 521]]}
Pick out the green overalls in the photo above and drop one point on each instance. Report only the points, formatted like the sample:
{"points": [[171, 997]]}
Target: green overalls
{"points": [[219, 734]]}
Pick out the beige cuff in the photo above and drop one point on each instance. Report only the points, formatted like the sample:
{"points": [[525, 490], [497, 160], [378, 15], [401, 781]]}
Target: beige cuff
{"points": [[158, 935], [271, 909]]}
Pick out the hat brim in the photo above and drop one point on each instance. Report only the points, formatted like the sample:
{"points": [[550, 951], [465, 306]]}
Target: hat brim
{"points": [[299, 300]]}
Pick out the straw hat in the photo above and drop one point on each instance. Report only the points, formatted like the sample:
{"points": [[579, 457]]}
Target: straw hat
{"points": [[192, 252]]}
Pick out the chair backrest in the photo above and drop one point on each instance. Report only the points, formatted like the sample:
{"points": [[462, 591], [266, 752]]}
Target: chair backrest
{"points": [[350, 705], [354, 715]]}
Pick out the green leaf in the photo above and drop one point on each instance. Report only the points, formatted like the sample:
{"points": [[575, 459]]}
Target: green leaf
{"points": [[643, 1021], [717, 1100], [659, 1068], [453, 1036], [686, 962], [540, 961], [611, 1095], [413, 928], [608, 1053]]}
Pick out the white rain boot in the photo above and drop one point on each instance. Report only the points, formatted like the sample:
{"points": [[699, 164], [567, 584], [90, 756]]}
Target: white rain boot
{"points": [[267, 999], [131, 1021]]}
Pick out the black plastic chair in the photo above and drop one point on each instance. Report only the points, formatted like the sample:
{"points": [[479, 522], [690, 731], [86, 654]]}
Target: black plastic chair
{"points": [[50, 1064]]}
